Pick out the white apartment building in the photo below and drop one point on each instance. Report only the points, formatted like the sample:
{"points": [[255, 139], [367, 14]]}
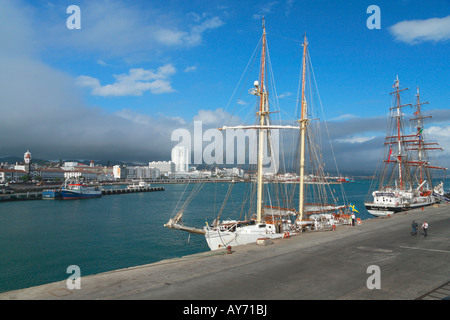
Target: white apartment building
{"points": [[81, 173], [165, 167], [119, 172], [180, 156], [50, 173], [141, 172]]}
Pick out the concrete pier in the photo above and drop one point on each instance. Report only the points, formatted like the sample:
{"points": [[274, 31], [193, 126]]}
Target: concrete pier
{"points": [[21, 196], [123, 191], [329, 265]]}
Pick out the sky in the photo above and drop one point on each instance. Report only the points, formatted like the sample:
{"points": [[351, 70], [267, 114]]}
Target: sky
{"points": [[136, 71]]}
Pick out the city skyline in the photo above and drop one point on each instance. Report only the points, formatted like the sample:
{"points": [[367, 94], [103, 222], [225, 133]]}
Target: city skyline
{"points": [[136, 71]]}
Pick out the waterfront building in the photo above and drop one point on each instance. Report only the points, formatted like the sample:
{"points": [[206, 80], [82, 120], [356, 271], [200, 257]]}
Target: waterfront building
{"points": [[191, 174], [119, 172], [50, 173], [142, 172], [180, 156], [165, 167], [11, 175], [69, 164], [230, 172], [81, 173]]}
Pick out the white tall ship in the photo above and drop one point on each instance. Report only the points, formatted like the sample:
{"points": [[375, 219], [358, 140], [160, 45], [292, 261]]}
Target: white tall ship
{"points": [[269, 218], [405, 181]]}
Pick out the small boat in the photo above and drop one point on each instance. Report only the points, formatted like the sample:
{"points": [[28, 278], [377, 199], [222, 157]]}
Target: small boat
{"points": [[77, 190], [142, 185]]}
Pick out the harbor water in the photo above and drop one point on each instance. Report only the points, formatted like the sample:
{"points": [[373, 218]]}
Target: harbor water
{"points": [[40, 239]]}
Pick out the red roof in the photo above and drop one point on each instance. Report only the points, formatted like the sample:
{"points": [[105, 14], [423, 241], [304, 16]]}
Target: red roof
{"points": [[12, 170]]}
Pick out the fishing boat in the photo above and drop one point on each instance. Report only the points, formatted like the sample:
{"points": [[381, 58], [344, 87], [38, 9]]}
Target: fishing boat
{"points": [[405, 181], [74, 189], [267, 217]]}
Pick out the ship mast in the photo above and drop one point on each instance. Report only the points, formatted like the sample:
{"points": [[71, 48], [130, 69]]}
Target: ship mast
{"points": [[263, 126], [418, 144], [399, 136], [303, 122], [399, 156], [262, 119], [420, 147], [410, 142]]}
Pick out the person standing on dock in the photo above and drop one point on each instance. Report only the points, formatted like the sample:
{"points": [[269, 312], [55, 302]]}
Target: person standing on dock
{"points": [[353, 213], [425, 229]]}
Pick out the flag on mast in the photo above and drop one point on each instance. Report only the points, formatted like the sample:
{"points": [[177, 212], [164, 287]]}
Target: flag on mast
{"points": [[390, 152], [354, 208], [395, 83]]}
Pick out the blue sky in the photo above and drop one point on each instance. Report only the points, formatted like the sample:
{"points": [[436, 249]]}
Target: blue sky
{"points": [[137, 70]]}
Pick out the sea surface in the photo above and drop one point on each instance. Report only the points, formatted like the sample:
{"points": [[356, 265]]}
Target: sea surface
{"points": [[40, 239]]}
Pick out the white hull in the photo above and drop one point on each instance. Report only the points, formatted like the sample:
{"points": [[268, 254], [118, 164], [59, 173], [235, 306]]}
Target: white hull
{"points": [[141, 186], [395, 205], [220, 238]]}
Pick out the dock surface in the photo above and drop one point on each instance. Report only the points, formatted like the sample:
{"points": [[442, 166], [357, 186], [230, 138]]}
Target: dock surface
{"points": [[330, 265]]}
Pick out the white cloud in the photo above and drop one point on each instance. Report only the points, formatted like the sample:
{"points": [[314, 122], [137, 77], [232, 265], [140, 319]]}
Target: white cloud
{"points": [[216, 117], [284, 95], [146, 120], [102, 63], [190, 69], [43, 111], [118, 28], [289, 4], [210, 117], [416, 31], [346, 116], [135, 83], [355, 139], [266, 9], [441, 135]]}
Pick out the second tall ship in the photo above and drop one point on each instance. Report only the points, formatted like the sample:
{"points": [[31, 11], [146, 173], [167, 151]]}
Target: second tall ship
{"points": [[405, 181]]}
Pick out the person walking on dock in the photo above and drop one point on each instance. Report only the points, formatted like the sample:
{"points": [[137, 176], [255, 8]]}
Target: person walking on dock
{"points": [[425, 229], [414, 226]]}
